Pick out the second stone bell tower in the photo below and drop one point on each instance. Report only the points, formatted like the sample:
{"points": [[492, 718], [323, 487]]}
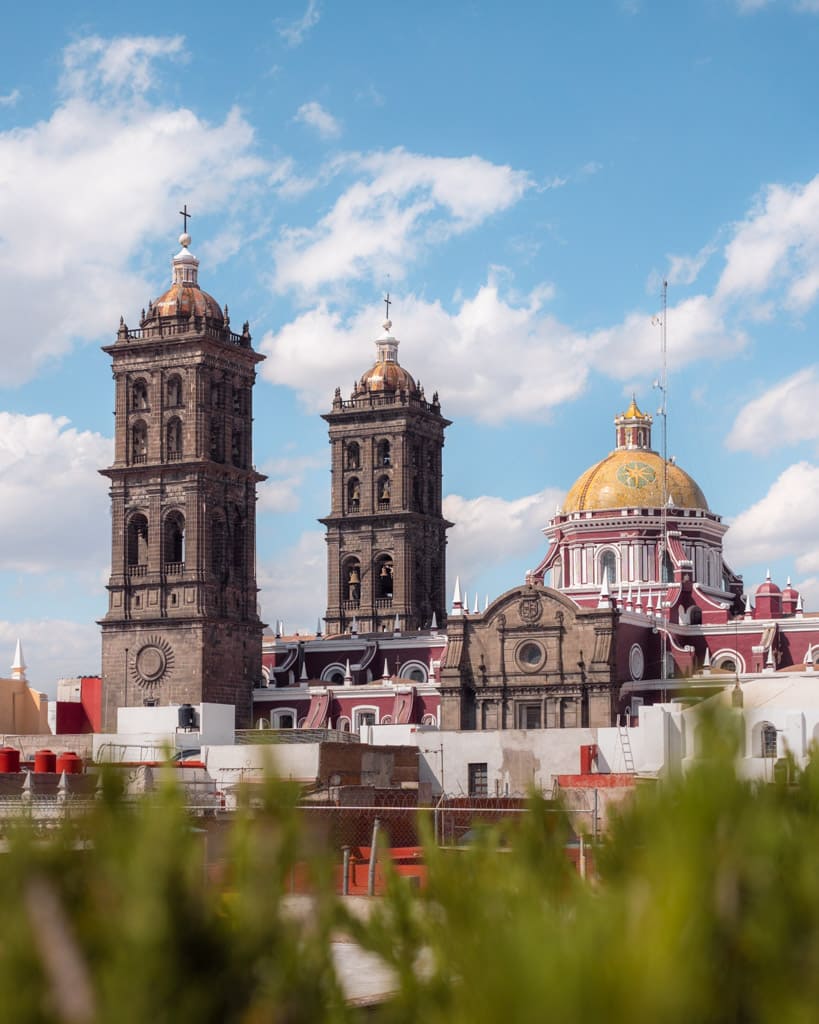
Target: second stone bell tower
{"points": [[386, 535]]}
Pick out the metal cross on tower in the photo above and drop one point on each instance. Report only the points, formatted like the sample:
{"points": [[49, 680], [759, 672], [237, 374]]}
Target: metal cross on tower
{"points": [[183, 213]]}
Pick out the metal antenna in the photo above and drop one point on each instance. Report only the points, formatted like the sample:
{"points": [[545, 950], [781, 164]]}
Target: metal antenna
{"points": [[663, 412]]}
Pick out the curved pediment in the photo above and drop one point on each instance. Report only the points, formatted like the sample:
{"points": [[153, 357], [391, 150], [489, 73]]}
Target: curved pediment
{"points": [[531, 604]]}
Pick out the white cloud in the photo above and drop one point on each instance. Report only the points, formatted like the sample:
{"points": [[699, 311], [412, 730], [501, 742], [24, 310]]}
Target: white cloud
{"points": [[784, 414], [52, 649], [315, 116], [10, 99], [491, 359], [52, 499], [294, 33], [400, 203], [489, 531], [776, 245], [280, 492], [111, 66], [100, 173], [685, 270], [591, 167], [494, 358], [784, 523], [294, 584], [696, 329]]}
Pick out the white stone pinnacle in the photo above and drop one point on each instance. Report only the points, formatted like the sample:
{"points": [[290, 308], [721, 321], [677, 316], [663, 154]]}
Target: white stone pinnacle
{"points": [[18, 666]]}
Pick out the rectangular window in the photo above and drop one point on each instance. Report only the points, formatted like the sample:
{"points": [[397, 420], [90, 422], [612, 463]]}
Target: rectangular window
{"points": [[478, 779], [529, 716], [568, 713]]}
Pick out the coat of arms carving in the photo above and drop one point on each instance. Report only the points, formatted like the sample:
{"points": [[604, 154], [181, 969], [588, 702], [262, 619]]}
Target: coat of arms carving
{"points": [[530, 609]]}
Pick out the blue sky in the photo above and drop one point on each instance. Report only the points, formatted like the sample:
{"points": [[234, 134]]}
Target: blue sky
{"points": [[520, 176]]}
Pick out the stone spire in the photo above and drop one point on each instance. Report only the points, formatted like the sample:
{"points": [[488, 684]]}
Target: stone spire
{"points": [[18, 666]]}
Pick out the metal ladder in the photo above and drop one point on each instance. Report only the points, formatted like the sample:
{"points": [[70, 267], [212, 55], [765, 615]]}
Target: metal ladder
{"points": [[625, 743]]}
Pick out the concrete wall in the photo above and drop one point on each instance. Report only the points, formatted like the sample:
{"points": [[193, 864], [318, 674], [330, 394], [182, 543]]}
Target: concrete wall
{"points": [[22, 710], [516, 759], [215, 723]]}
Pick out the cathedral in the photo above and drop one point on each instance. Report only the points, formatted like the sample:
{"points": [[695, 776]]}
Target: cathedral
{"points": [[632, 601]]}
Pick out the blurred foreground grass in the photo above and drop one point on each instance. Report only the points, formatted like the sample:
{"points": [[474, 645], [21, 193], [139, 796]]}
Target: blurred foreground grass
{"points": [[706, 909]]}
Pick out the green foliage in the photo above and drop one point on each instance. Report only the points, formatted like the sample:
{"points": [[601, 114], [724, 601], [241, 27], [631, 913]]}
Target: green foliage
{"points": [[706, 909]]}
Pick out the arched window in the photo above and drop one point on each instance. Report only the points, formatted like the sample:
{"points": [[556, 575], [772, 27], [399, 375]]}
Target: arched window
{"points": [[139, 442], [173, 553], [608, 567], [768, 740], [137, 541], [415, 670], [174, 392], [173, 439], [383, 491], [353, 494], [351, 582], [216, 450], [384, 578], [217, 546], [238, 539], [139, 395], [216, 394], [283, 718], [384, 457], [237, 448], [238, 401], [667, 569], [353, 456]]}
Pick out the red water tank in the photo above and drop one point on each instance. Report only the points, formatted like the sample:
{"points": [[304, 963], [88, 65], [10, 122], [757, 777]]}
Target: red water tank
{"points": [[45, 761], [70, 763], [9, 759]]}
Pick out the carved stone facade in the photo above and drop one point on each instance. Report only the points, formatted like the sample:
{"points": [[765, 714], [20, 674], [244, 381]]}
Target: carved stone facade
{"points": [[386, 535], [182, 623], [532, 660]]}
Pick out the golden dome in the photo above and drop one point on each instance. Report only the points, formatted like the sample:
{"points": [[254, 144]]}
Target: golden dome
{"points": [[632, 477], [387, 376], [187, 300]]}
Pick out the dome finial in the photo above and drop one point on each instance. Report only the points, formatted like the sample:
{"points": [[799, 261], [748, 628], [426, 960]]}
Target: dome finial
{"points": [[185, 238]]}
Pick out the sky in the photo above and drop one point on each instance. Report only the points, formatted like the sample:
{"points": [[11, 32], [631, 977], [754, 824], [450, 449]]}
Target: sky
{"points": [[521, 177]]}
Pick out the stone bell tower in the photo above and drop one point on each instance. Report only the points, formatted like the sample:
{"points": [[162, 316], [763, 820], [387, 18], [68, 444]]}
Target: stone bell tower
{"points": [[386, 535], [182, 624]]}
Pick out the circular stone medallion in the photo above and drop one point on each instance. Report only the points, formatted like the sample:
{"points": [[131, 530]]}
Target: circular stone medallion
{"points": [[153, 661], [636, 661]]}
